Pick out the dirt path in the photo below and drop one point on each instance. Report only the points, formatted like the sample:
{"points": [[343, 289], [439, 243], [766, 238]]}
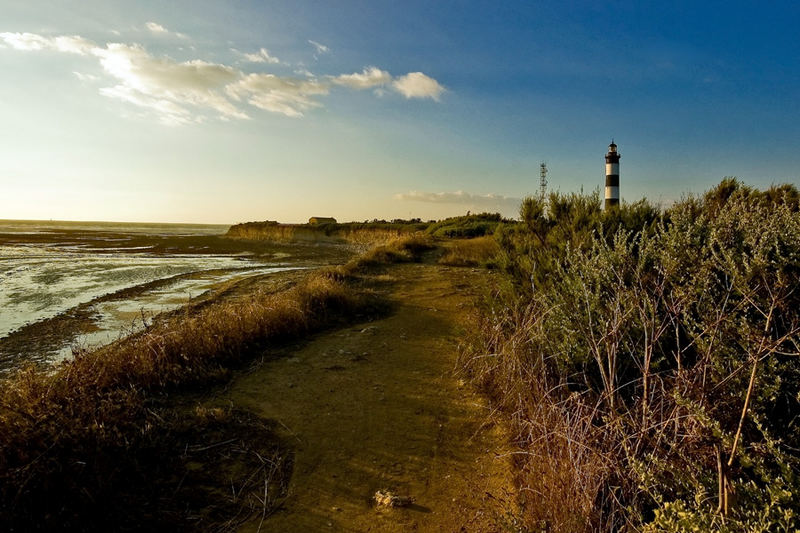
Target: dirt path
{"points": [[377, 407]]}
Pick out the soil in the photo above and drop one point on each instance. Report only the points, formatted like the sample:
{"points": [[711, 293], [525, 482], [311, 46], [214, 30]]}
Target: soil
{"points": [[379, 406]]}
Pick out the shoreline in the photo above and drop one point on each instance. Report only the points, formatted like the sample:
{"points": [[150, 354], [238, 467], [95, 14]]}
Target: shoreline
{"points": [[104, 317], [45, 341]]}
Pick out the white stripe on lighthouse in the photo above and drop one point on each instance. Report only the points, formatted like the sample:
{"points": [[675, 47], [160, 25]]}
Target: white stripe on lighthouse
{"points": [[612, 192], [612, 169]]}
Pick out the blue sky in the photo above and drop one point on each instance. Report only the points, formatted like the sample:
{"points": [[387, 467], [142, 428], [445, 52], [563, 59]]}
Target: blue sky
{"points": [[233, 111]]}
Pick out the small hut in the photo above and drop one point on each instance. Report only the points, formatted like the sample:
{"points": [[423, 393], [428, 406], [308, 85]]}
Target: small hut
{"points": [[316, 221]]}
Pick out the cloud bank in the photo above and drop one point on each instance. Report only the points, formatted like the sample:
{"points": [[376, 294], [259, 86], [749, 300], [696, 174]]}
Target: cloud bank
{"points": [[477, 201], [181, 92]]}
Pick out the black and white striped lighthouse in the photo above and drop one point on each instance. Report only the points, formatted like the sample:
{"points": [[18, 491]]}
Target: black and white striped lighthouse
{"points": [[612, 176]]}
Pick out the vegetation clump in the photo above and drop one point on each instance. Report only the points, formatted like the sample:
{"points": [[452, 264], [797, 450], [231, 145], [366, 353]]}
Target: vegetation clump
{"points": [[649, 361], [406, 250], [477, 252], [467, 226]]}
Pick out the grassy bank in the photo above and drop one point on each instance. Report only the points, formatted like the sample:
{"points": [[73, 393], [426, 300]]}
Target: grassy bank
{"points": [[406, 250], [647, 361], [354, 233], [97, 444], [368, 233]]}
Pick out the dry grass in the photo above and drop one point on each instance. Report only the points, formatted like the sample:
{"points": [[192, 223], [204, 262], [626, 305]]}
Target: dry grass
{"points": [[560, 478], [76, 436], [404, 250], [560, 474], [480, 251]]}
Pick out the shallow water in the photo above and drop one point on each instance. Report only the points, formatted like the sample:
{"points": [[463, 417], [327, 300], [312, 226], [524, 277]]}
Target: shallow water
{"points": [[117, 318], [47, 269], [38, 282]]}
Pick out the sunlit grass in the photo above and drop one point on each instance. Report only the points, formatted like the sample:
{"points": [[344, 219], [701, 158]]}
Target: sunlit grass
{"points": [[480, 251]]}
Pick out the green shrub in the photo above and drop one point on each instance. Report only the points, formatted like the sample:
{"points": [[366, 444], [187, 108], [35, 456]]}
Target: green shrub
{"points": [[639, 335]]}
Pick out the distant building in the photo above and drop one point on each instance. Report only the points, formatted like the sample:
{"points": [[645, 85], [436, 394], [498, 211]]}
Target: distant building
{"points": [[321, 220]]}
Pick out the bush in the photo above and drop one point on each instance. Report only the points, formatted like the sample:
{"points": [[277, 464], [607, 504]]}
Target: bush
{"points": [[650, 358]]}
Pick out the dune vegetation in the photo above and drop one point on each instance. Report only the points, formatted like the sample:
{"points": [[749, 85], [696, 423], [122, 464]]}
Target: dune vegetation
{"points": [[648, 361]]}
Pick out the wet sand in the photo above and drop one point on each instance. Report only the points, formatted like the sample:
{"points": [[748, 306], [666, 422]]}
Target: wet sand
{"points": [[78, 285]]}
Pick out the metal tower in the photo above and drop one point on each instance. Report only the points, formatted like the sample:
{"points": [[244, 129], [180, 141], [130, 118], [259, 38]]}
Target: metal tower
{"points": [[542, 179], [612, 176]]}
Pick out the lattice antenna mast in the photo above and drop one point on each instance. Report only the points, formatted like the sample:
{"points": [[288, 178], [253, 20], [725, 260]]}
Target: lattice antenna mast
{"points": [[543, 180]]}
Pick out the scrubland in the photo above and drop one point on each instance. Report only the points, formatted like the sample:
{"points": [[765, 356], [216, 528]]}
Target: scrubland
{"points": [[647, 361]]}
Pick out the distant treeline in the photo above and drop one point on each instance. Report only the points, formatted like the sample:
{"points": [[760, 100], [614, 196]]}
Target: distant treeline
{"points": [[649, 361], [372, 231]]}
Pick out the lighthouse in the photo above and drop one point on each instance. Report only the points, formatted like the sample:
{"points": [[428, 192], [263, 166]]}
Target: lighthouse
{"points": [[612, 176]]}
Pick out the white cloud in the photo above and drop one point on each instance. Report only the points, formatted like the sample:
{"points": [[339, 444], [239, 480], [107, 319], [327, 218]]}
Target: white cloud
{"points": [[158, 29], [320, 48], [370, 77], [262, 56], [180, 92], [418, 85], [168, 111], [85, 77], [26, 41], [287, 96], [486, 201], [73, 44], [162, 79]]}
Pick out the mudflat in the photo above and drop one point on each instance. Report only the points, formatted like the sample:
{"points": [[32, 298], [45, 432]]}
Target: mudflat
{"points": [[378, 406]]}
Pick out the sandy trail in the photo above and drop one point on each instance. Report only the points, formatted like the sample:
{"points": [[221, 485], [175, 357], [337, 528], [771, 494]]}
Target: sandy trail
{"points": [[377, 407]]}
